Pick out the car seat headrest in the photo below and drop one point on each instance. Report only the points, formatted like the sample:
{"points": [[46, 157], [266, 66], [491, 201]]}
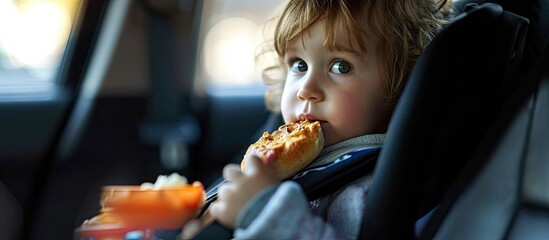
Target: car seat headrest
{"points": [[536, 11]]}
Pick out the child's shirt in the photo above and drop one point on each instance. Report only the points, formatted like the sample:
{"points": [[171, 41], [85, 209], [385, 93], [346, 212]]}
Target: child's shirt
{"points": [[283, 211]]}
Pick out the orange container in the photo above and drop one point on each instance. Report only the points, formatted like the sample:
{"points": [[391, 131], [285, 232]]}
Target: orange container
{"points": [[127, 208], [109, 232], [165, 208]]}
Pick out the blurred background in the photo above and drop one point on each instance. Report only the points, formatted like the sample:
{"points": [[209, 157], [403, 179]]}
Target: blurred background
{"points": [[105, 92]]}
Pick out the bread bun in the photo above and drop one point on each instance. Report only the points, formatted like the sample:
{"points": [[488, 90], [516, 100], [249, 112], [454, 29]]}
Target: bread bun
{"points": [[296, 145]]}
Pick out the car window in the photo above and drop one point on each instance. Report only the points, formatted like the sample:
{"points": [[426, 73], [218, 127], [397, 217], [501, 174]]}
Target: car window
{"points": [[33, 38], [230, 33]]}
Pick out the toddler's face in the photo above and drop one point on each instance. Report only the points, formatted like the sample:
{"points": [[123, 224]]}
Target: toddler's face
{"points": [[339, 87]]}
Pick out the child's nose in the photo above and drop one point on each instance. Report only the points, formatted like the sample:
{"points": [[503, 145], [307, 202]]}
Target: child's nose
{"points": [[311, 88]]}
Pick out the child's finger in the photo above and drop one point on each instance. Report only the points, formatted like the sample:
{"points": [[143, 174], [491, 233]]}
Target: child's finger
{"points": [[269, 164], [254, 165], [217, 210], [269, 157], [224, 212], [232, 172], [191, 228]]}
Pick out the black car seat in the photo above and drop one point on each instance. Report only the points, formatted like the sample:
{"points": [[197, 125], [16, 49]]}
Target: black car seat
{"points": [[504, 192], [536, 11], [522, 196], [452, 98]]}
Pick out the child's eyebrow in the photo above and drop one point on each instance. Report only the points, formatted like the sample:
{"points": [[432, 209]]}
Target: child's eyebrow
{"points": [[337, 47], [348, 49], [289, 51]]}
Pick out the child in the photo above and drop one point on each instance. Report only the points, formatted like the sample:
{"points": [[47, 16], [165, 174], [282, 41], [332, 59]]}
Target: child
{"points": [[346, 63]]}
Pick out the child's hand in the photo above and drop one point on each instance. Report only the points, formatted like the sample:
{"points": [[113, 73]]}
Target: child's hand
{"points": [[241, 187]]}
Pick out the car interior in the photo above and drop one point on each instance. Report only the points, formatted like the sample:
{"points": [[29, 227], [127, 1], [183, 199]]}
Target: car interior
{"points": [[138, 92]]}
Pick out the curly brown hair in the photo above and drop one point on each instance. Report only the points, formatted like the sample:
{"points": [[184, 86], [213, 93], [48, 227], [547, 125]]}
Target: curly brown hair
{"points": [[404, 28]]}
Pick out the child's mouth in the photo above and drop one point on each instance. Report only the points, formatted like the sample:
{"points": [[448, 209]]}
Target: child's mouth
{"points": [[310, 117]]}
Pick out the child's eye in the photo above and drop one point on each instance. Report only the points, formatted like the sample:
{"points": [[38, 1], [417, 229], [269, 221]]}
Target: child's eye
{"points": [[299, 66], [341, 67]]}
